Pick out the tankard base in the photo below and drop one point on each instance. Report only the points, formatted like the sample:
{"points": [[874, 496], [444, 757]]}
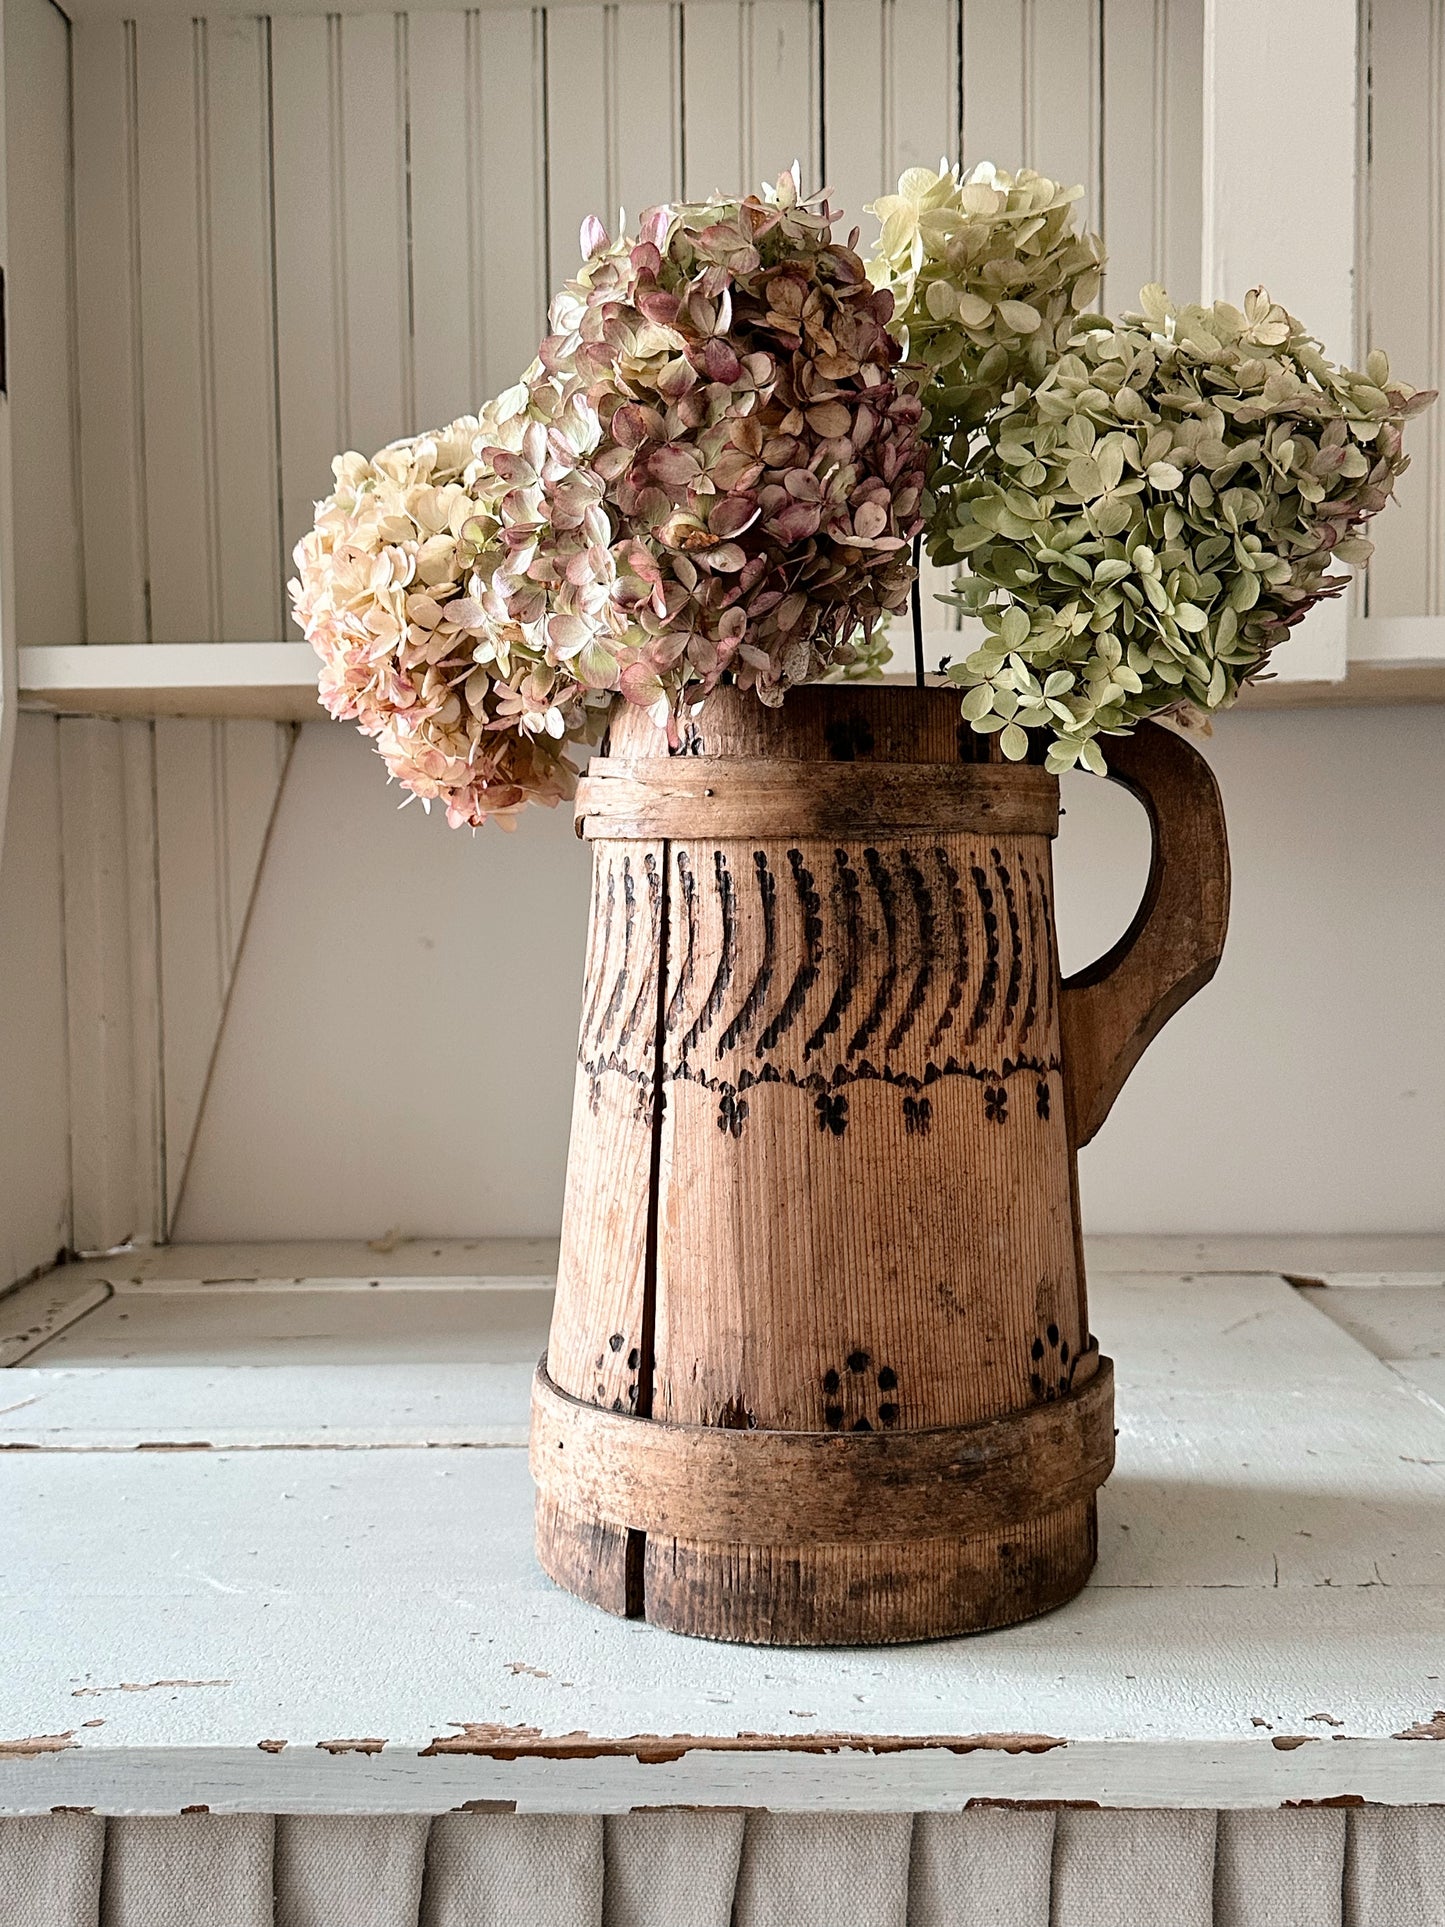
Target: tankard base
{"points": [[883, 1593]]}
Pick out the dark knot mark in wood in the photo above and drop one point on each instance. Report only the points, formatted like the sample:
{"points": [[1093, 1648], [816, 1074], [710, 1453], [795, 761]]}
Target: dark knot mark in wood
{"points": [[848, 738]]}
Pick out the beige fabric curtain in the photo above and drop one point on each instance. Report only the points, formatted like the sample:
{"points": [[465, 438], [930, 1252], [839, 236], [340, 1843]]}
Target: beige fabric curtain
{"points": [[987, 1867]]}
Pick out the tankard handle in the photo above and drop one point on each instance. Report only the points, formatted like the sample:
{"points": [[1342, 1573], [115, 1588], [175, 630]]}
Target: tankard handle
{"points": [[1112, 1011]]}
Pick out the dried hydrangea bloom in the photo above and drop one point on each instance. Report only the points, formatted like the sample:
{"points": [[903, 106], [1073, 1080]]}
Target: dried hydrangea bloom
{"points": [[752, 446], [413, 589], [989, 273], [1149, 521], [713, 468]]}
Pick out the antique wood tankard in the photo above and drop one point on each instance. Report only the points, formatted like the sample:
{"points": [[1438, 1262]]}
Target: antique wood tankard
{"points": [[820, 1369]]}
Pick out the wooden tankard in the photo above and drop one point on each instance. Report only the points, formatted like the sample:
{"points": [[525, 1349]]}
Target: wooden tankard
{"points": [[820, 1369]]}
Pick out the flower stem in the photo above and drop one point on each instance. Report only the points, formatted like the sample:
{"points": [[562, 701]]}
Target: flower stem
{"points": [[916, 600]]}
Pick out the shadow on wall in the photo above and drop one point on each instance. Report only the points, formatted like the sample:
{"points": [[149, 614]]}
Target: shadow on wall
{"points": [[399, 1049]]}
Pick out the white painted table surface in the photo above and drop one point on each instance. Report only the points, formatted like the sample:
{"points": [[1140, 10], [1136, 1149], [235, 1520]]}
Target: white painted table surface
{"points": [[266, 1621]]}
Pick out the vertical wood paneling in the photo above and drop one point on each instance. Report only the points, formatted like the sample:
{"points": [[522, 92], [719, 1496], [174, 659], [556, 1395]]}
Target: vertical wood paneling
{"points": [[1152, 147], [380, 399], [514, 257], [310, 334], [112, 480], [579, 179], [856, 159], [783, 103], [41, 321], [241, 369], [194, 923], [995, 91], [180, 454], [644, 148], [1402, 283], [715, 154], [1063, 116], [111, 986], [443, 115], [924, 85], [34, 1123]]}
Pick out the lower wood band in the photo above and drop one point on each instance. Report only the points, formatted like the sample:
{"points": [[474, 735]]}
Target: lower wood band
{"points": [[653, 797], [714, 1485]]}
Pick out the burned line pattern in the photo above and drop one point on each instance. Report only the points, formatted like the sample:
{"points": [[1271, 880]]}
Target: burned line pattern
{"points": [[900, 965]]}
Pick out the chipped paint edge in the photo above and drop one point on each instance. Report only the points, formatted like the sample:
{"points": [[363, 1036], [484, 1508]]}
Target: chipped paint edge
{"points": [[305, 1778]]}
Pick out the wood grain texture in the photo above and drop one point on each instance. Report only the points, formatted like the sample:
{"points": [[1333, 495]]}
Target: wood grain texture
{"points": [[701, 796], [721, 1484], [1113, 1010], [821, 1180]]}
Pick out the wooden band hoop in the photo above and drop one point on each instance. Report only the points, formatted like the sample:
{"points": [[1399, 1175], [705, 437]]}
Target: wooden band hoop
{"points": [[714, 1485], [652, 797]]}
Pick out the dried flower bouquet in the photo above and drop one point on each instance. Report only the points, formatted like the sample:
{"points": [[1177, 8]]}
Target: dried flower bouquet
{"points": [[734, 432]]}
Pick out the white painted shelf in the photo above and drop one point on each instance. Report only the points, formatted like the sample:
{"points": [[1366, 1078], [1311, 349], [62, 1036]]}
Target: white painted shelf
{"points": [[273, 681], [267, 1545], [1399, 660]]}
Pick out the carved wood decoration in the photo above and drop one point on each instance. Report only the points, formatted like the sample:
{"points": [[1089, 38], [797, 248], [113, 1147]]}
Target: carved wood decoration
{"points": [[822, 1177]]}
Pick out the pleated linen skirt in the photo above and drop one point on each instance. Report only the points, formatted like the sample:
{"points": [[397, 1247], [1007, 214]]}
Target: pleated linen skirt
{"points": [[986, 1867]]}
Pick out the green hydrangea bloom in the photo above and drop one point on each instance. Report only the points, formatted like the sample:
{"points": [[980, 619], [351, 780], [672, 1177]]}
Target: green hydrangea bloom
{"points": [[1148, 519]]}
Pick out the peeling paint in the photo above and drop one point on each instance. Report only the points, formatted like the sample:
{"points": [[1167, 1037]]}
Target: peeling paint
{"points": [[1332, 1800], [37, 1743], [272, 1746], [196, 1809], [1324, 1719], [1287, 1742], [72, 1809], [521, 1666], [498, 1742], [1035, 1806], [141, 1686], [486, 1806], [349, 1746], [1432, 1729]]}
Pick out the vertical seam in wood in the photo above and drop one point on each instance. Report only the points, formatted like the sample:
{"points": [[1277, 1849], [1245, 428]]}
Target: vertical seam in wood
{"points": [[160, 1213], [137, 331], [611, 122], [886, 38], [268, 137], [635, 1587], [1160, 114], [72, 334], [402, 87], [476, 201], [678, 184], [541, 84], [206, 315], [1435, 442], [957, 54], [340, 307]]}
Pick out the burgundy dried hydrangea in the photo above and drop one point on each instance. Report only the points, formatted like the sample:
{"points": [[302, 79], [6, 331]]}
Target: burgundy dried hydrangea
{"points": [[758, 451]]}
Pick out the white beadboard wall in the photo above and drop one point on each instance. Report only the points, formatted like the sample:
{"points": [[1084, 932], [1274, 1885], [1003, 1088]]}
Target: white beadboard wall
{"points": [[240, 243]]}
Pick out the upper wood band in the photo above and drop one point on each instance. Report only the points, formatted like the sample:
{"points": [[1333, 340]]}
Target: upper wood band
{"points": [[723, 1487], [652, 797]]}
